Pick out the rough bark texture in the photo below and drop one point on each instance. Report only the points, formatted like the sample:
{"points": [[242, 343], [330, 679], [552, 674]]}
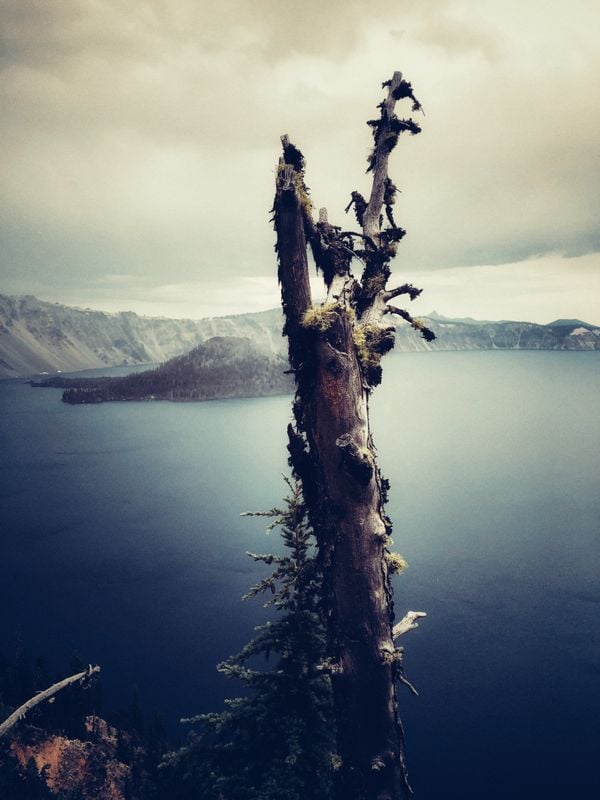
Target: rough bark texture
{"points": [[335, 351]]}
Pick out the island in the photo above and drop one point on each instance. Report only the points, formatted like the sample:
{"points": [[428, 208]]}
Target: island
{"points": [[222, 367]]}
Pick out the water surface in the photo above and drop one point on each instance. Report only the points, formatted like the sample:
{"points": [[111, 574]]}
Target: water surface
{"points": [[122, 541]]}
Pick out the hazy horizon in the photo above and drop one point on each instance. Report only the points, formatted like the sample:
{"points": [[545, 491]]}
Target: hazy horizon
{"points": [[276, 306]]}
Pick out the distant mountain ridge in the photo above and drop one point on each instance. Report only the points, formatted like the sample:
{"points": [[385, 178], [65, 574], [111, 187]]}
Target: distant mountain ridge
{"points": [[37, 336]]}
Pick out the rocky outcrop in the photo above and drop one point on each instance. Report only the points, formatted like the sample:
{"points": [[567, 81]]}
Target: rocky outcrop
{"points": [[90, 769]]}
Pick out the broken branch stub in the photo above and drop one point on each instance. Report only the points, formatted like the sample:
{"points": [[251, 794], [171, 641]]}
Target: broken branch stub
{"points": [[407, 623]]}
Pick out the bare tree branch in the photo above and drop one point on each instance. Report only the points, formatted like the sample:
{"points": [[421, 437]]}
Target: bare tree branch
{"points": [[406, 288], [403, 679], [80, 677], [425, 332]]}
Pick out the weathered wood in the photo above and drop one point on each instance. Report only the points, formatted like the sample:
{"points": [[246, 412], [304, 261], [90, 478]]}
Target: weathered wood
{"points": [[407, 623], [47, 694], [291, 252], [371, 225], [335, 351]]}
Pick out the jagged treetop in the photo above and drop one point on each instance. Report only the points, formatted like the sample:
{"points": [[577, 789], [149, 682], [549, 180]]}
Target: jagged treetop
{"points": [[374, 246]]}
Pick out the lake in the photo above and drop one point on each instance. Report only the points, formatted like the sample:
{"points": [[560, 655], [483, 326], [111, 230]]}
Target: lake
{"points": [[122, 541]]}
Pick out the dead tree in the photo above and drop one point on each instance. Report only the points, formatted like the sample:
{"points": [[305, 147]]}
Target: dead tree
{"points": [[47, 694], [335, 351]]}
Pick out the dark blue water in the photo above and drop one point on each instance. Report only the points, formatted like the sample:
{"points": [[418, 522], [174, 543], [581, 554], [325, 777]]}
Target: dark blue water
{"points": [[122, 541]]}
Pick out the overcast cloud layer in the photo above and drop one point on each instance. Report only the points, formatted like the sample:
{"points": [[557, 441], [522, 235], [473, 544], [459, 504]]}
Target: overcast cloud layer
{"points": [[140, 141]]}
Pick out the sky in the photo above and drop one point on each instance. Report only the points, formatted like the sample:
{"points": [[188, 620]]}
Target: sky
{"points": [[140, 139]]}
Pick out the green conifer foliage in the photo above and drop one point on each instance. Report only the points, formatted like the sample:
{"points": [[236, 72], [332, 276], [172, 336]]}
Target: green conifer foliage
{"points": [[276, 743]]}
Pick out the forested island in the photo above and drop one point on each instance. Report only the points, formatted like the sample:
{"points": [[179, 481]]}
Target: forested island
{"points": [[223, 367]]}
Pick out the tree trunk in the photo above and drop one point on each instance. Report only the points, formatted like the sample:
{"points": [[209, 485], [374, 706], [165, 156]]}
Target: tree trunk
{"points": [[335, 351]]}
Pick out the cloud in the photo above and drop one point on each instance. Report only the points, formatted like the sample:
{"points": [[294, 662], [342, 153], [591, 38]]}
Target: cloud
{"points": [[536, 290], [141, 138]]}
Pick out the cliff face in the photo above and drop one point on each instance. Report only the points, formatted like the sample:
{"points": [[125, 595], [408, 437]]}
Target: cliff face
{"points": [[473, 335], [36, 336]]}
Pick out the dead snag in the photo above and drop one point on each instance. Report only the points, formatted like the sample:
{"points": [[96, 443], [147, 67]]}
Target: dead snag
{"points": [[335, 351]]}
